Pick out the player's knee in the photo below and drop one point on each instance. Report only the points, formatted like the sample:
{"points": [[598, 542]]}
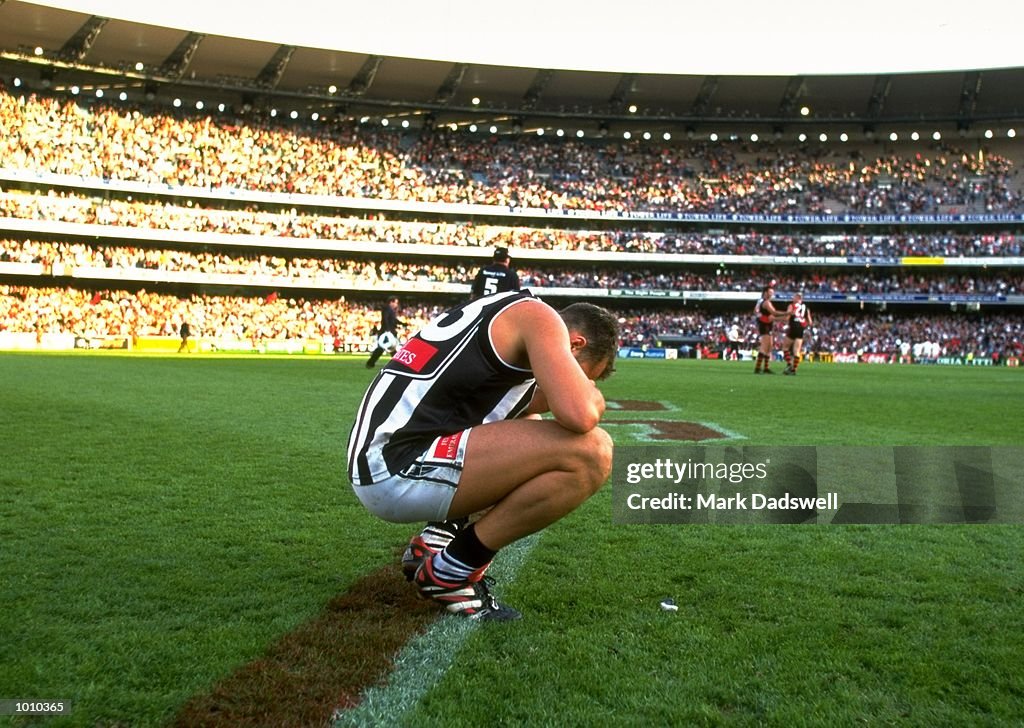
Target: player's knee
{"points": [[596, 458], [606, 449]]}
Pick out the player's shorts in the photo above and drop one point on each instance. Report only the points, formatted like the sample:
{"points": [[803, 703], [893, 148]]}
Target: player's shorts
{"points": [[423, 491], [795, 331], [763, 329]]}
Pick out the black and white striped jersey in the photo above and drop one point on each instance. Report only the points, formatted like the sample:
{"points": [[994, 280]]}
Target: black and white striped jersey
{"points": [[445, 379]]}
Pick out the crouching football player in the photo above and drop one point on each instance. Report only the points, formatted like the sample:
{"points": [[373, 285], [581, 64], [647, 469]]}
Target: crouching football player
{"points": [[444, 432]]}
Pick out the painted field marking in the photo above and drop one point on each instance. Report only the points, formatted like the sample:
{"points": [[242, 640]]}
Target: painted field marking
{"points": [[423, 662], [653, 428]]}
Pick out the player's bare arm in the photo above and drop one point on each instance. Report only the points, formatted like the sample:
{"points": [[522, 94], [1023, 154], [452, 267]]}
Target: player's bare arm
{"points": [[533, 335]]}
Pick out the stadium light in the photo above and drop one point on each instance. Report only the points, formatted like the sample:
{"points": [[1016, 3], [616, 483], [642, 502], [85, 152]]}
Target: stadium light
{"points": [[579, 133], [99, 93], [384, 122], [17, 82], [314, 116], [1011, 133], [221, 107], [560, 133], [294, 114], [713, 137], [894, 137], [632, 108], [493, 129], [805, 111], [332, 89], [405, 123], [472, 128], [75, 90], [139, 66], [453, 126], [476, 101], [915, 136], [844, 137], [988, 134], [936, 136], [38, 51], [540, 131], [823, 137], [273, 113], [666, 136], [123, 96], [753, 137], [199, 105], [802, 137], [627, 135], [647, 136]]}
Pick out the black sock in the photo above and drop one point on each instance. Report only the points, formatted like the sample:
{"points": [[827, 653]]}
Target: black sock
{"points": [[468, 549]]}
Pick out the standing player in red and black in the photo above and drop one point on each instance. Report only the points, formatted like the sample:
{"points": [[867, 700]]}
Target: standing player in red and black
{"points": [[766, 318], [799, 320]]}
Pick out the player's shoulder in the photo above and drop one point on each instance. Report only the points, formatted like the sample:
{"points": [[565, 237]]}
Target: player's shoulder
{"points": [[525, 308]]}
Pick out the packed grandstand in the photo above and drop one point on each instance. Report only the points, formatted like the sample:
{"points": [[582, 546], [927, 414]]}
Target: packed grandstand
{"points": [[120, 222]]}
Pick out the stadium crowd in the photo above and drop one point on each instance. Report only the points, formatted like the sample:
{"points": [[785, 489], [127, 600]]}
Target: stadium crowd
{"points": [[292, 223], [349, 326], [63, 258], [98, 140], [60, 259], [946, 334], [93, 139], [101, 313], [870, 281]]}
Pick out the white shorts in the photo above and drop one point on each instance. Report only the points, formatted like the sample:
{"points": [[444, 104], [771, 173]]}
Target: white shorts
{"points": [[424, 490]]}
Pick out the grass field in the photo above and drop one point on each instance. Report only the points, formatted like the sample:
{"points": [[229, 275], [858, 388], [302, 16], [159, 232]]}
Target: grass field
{"points": [[164, 519]]}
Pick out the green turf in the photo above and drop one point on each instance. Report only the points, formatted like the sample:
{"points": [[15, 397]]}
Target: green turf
{"points": [[164, 519]]}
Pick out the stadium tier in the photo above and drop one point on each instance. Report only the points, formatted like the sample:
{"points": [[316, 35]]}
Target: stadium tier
{"points": [[123, 222]]}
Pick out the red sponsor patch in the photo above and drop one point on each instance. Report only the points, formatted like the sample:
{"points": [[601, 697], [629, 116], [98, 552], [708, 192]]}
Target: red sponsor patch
{"points": [[415, 354], [448, 446]]}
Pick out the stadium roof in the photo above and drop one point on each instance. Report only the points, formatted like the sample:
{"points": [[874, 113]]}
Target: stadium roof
{"points": [[739, 72], [727, 37]]}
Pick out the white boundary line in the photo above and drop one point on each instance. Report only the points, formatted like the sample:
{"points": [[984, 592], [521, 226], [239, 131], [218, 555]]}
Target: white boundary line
{"points": [[614, 406], [729, 434], [423, 662]]}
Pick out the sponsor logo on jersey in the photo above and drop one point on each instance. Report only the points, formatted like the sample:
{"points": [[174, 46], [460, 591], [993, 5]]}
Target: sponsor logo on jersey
{"points": [[415, 355], [447, 447]]}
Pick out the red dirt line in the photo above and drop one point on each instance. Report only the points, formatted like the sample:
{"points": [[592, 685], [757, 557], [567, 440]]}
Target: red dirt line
{"points": [[323, 664]]}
